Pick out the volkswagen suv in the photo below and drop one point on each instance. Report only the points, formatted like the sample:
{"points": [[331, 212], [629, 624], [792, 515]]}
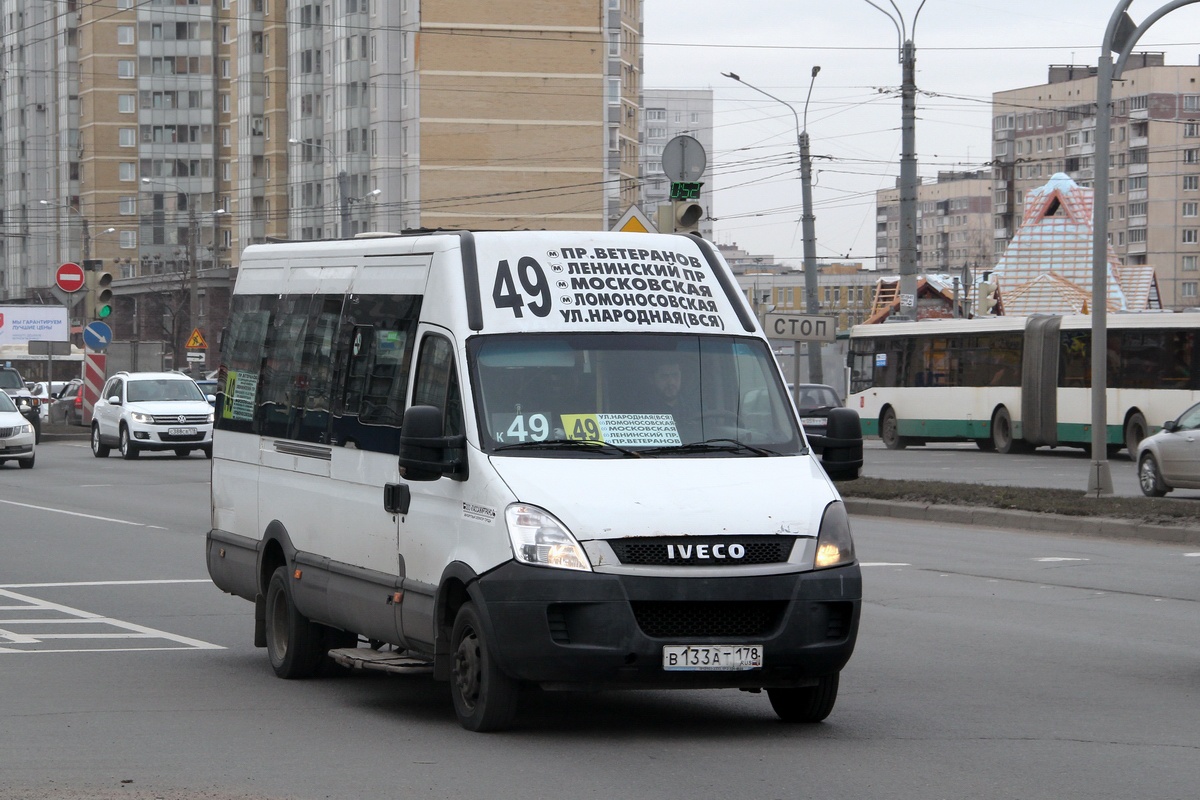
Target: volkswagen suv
{"points": [[140, 411]]}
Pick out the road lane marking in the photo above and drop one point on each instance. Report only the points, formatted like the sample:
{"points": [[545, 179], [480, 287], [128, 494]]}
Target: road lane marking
{"points": [[1053, 559], [884, 564], [27, 641], [99, 583], [85, 516]]}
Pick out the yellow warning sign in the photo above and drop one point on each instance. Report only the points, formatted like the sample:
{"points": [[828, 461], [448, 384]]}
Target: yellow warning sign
{"points": [[634, 221], [197, 341]]}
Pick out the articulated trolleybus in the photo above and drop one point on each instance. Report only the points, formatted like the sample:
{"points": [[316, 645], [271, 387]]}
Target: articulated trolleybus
{"points": [[1015, 383], [557, 459]]}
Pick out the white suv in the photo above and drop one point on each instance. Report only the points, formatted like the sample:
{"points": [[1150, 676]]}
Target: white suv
{"points": [[151, 411]]}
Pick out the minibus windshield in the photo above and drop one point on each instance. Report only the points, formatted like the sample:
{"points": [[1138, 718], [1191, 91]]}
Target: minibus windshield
{"points": [[630, 395]]}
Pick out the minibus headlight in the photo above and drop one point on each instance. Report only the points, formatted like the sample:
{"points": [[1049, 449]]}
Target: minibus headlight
{"points": [[538, 538], [834, 545]]}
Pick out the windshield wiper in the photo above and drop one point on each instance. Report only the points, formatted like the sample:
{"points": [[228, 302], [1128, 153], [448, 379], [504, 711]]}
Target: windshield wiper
{"points": [[572, 444], [712, 446]]}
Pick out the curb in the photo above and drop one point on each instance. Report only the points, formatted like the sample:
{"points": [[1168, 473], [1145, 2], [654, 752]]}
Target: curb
{"points": [[1098, 527]]}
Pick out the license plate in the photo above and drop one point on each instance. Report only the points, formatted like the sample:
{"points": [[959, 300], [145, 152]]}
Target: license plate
{"points": [[813, 421], [712, 657], [181, 431]]}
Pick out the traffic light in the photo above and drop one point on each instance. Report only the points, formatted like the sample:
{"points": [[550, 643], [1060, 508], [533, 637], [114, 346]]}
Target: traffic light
{"points": [[686, 213], [989, 297], [98, 302]]}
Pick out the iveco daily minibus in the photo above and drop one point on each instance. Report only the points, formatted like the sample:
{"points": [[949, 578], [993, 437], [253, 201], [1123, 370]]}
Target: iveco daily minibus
{"points": [[559, 459]]}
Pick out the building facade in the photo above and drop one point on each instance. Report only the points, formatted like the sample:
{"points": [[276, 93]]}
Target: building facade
{"points": [[668, 113], [954, 224], [1154, 161]]}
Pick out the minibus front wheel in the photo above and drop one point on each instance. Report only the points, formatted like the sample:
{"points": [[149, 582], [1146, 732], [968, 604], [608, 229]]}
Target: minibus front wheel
{"points": [[807, 704], [485, 699]]}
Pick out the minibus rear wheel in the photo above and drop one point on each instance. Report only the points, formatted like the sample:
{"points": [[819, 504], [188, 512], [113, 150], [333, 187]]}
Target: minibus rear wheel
{"points": [[294, 644], [485, 699], [808, 704]]}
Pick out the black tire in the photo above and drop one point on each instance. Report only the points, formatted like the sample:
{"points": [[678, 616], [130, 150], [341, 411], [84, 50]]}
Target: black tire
{"points": [[889, 431], [485, 699], [125, 445], [2, 462], [1135, 430], [99, 450], [183, 452], [294, 644], [37, 430], [26, 463], [810, 704], [207, 451], [1002, 431], [986, 445], [1150, 477]]}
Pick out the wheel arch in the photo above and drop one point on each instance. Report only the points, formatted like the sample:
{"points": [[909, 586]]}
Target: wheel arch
{"points": [[458, 587], [276, 551]]}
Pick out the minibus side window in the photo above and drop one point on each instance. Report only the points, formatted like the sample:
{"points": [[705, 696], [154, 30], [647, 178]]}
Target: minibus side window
{"points": [[437, 383], [243, 354]]}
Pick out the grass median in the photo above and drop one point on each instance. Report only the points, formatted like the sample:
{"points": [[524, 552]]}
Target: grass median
{"points": [[1164, 511]]}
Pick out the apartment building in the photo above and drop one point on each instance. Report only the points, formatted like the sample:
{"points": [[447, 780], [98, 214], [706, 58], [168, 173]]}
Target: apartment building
{"points": [[668, 113], [954, 224], [163, 137], [1154, 161]]}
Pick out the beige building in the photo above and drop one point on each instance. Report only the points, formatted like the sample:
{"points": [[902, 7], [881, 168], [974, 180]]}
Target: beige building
{"points": [[954, 224], [1154, 176], [192, 130]]}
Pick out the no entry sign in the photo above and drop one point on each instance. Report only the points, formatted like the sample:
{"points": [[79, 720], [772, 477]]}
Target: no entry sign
{"points": [[69, 277]]}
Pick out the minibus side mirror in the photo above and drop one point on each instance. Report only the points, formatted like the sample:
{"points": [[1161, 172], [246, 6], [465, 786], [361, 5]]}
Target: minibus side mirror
{"points": [[843, 455], [426, 454]]}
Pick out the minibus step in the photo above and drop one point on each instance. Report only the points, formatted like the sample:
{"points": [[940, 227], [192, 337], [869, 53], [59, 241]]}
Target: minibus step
{"points": [[394, 661]]}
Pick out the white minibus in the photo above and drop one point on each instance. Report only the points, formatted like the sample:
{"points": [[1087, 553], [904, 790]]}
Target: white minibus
{"points": [[554, 459]]}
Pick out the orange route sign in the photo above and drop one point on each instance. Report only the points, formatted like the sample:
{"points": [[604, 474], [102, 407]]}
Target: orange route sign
{"points": [[196, 340]]}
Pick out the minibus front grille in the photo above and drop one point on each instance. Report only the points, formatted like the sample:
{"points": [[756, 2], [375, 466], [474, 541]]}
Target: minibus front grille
{"points": [[703, 551], [667, 620]]}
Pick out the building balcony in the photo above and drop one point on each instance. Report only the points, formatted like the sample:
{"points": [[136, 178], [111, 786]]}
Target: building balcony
{"points": [[1139, 141], [1135, 248], [1000, 233], [1139, 169], [1138, 194]]}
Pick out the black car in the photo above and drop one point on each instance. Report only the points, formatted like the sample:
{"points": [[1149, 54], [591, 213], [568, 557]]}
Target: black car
{"points": [[814, 402], [29, 406]]}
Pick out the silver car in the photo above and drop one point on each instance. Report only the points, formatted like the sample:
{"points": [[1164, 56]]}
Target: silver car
{"points": [[1170, 459]]}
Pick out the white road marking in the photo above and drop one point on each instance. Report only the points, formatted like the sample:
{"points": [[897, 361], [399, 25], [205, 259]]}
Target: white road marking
{"points": [[85, 516], [884, 564], [99, 583], [73, 616], [1050, 559]]}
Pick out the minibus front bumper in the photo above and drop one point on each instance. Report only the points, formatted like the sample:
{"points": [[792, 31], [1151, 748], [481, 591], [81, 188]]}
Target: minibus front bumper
{"points": [[590, 630]]}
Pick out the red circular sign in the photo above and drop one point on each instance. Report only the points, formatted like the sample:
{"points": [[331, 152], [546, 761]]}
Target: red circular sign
{"points": [[69, 277]]}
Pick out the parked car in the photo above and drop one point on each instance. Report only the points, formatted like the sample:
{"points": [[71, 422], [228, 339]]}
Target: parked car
{"points": [[17, 439], [13, 386], [47, 392], [814, 401], [67, 409], [1170, 459], [139, 411], [209, 388]]}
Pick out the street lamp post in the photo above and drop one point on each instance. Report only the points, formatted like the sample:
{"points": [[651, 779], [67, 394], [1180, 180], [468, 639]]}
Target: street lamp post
{"points": [[342, 181], [816, 373], [908, 159]]}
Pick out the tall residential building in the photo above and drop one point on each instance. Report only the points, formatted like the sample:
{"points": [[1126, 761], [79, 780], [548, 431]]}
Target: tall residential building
{"points": [[1154, 176], [954, 224], [668, 113], [193, 129]]}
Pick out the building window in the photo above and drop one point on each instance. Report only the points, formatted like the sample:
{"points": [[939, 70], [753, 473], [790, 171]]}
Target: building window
{"points": [[127, 171], [128, 206], [1191, 209], [125, 68], [125, 104], [128, 240], [1187, 289], [124, 34], [1190, 236], [127, 137], [1191, 155], [1189, 264], [1191, 183]]}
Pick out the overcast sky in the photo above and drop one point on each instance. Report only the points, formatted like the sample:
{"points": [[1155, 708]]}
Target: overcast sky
{"points": [[965, 52]]}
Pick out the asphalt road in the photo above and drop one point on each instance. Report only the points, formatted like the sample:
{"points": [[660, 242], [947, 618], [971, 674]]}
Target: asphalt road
{"points": [[991, 664], [1051, 468]]}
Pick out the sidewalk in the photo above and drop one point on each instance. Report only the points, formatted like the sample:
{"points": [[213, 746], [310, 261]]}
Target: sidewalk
{"points": [[1101, 527]]}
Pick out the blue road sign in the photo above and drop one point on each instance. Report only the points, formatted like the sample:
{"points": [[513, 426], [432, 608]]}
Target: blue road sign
{"points": [[97, 336]]}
